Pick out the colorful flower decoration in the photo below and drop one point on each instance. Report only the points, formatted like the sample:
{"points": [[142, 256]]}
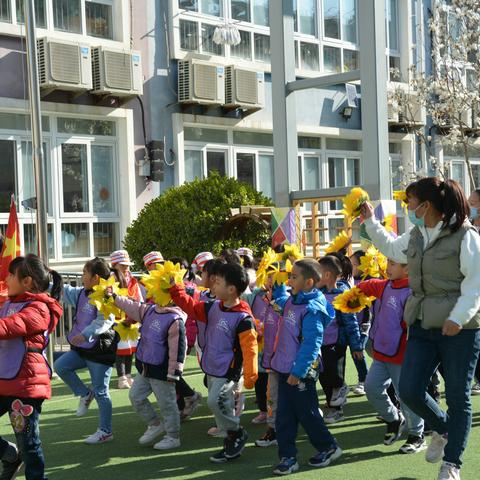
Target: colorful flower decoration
{"points": [[291, 252], [268, 259], [353, 202], [352, 301], [280, 271], [401, 196], [339, 243], [127, 331], [106, 304], [373, 264], [20, 412], [157, 282]]}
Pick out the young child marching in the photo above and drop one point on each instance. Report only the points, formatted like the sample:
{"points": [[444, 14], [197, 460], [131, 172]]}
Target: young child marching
{"points": [[305, 316], [27, 319], [93, 346], [388, 335], [230, 343]]}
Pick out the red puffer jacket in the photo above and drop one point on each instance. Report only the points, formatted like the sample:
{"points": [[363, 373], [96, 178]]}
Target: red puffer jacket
{"points": [[42, 313]]}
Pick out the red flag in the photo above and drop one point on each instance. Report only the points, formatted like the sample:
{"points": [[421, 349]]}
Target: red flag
{"points": [[11, 242]]}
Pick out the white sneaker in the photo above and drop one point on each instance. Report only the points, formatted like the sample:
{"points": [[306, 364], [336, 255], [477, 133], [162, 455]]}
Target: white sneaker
{"points": [[359, 388], [449, 471], [99, 437], [84, 403], [151, 433], [476, 389], [435, 450], [339, 396], [191, 404], [167, 443]]}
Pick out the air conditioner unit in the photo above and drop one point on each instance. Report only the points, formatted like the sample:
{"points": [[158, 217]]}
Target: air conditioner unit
{"points": [[116, 72], [244, 88], [201, 82], [467, 118], [392, 113], [63, 65], [415, 112]]}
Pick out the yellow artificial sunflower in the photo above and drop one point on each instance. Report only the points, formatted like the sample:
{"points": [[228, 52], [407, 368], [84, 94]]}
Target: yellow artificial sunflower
{"points": [[340, 242], [291, 252], [389, 223], [352, 203], [352, 301], [157, 282], [268, 259], [373, 264], [280, 275], [401, 196], [127, 332], [106, 304]]}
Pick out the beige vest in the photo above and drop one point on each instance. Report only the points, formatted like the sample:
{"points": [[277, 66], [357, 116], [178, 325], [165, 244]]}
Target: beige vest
{"points": [[435, 278]]}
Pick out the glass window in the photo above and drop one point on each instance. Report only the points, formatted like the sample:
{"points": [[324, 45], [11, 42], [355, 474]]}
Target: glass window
{"points": [[84, 126], [266, 177], [246, 168], [210, 135], [260, 12], [75, 240], [395, 147], [211, 7], [193, 165], [19, 121], [216, 161], [349, 21], [99, 19], [331, 18], [244, 48], [458, 173], [67, 15], [253, 138], [188, 35], [350, 60], [105, 239], [476, 173], [40, 12], [396, 173], [241, 10], [5, 13], [392, 19], [7, 179], [208, 45], [353, 173], [311, 173], [344, 144], [309, 142], [30, 239], [332, 61], [262, 47], [343, 172], [75, 178], [307, 16], [103, 179], [309, 56], [190, 5]]}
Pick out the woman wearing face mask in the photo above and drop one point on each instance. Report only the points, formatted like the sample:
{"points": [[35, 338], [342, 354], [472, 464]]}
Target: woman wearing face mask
{"points": [[443, 253]]}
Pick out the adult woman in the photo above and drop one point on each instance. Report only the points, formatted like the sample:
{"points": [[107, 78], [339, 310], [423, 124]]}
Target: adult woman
{"points": [[443, 252]]}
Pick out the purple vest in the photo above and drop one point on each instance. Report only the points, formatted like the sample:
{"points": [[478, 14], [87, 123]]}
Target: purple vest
{"points": [[202, 326], [386, 331], [153, 344], [265, 312], [220, 336], [85, 314], [288, 337], [330, 335]]}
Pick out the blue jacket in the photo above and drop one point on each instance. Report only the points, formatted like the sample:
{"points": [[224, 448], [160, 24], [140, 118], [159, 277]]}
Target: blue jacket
{"points": [[348, 330], [319, 314]]}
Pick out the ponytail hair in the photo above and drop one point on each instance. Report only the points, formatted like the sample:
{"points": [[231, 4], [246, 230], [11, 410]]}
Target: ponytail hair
{"points": [[345, 265], [98, 266], [447, 197], [32, 266], [119, 277]]}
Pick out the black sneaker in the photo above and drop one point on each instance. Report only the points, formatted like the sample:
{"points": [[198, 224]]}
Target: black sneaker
{"points": [[219, 457], [11, 469], [394, 430], [413, 444], [235, 443], [268, 439], [323, 459], [286, 466]]}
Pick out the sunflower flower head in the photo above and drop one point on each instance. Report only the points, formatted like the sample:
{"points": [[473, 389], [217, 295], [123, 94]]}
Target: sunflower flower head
{"points": [[353, 202], [401, 196], [106, 304], [291, 252], [339, 243], [389, 223], [126, 331], [280, 272], [268, 259], [373, 264], [352, 301], [157, 282]]}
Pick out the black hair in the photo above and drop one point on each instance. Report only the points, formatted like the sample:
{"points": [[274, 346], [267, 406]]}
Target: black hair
{"points": [[248, 262], [235, 275], [359, 254], [231, 256], [98, 266], [32, 266], [212, 267], [447, 197], [347, 267], [279, 248], [309, 268], [190, 275], [119, 277], [332, 264]]}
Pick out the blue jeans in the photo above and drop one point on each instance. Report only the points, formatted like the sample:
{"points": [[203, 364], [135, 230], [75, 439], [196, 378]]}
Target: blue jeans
{"points": [[24, 421], [66, 367], [299, 404], [380, 376], [458, 356]]}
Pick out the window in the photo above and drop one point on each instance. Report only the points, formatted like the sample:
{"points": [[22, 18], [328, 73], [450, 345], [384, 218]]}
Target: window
{"points": [[260, 12], [340, 20], [188, 35], [344, 144], [99, 19], [458, 173], [350, 60], [331, 18], [266, 178], [67, 15], [396, 173], [306, 16], [262, 47], [392, 25], [311, 173], [5, 13], [208, 45], [253, 138], [244, 48], [83, 126], [246, 168], [75, 240], [349, 21], [7, 179], [193, 165], [30, 239], [75, 178], [216, 162], [208, 7], [343, 172], [332, 59], [19, 121], [40, 12], [200, 134], [241, 10], [105, 238], [309, 56], [103, 179]]}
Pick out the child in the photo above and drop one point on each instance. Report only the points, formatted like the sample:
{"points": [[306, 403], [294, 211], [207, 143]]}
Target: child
{"points": [[151, 259], [198, 263], [27, 319], [230, 342], [93, 345], [342, 331], [120, 261], [389, 339], [159, 360], [248, 262], [305, 315]]}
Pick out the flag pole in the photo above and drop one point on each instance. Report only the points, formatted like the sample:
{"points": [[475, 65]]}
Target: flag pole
{"points": [[37, 143]]}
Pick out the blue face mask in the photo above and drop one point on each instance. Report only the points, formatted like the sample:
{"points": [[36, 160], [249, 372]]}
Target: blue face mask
{"points": [[419, 222], [473, 213]]}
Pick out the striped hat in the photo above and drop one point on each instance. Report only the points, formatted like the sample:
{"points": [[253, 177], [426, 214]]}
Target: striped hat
{"points": [[244, 252], [201, 259], [120, 257], [153, 257]]}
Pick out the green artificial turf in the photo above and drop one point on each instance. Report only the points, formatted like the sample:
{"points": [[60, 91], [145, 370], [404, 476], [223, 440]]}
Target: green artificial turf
{"points": [[360, 436]]}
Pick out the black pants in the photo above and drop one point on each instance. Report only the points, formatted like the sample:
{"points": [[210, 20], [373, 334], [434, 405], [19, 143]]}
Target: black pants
{"points": [[261, 391], [477, 371], [183, 390], [333, 374], [123, 364]]}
